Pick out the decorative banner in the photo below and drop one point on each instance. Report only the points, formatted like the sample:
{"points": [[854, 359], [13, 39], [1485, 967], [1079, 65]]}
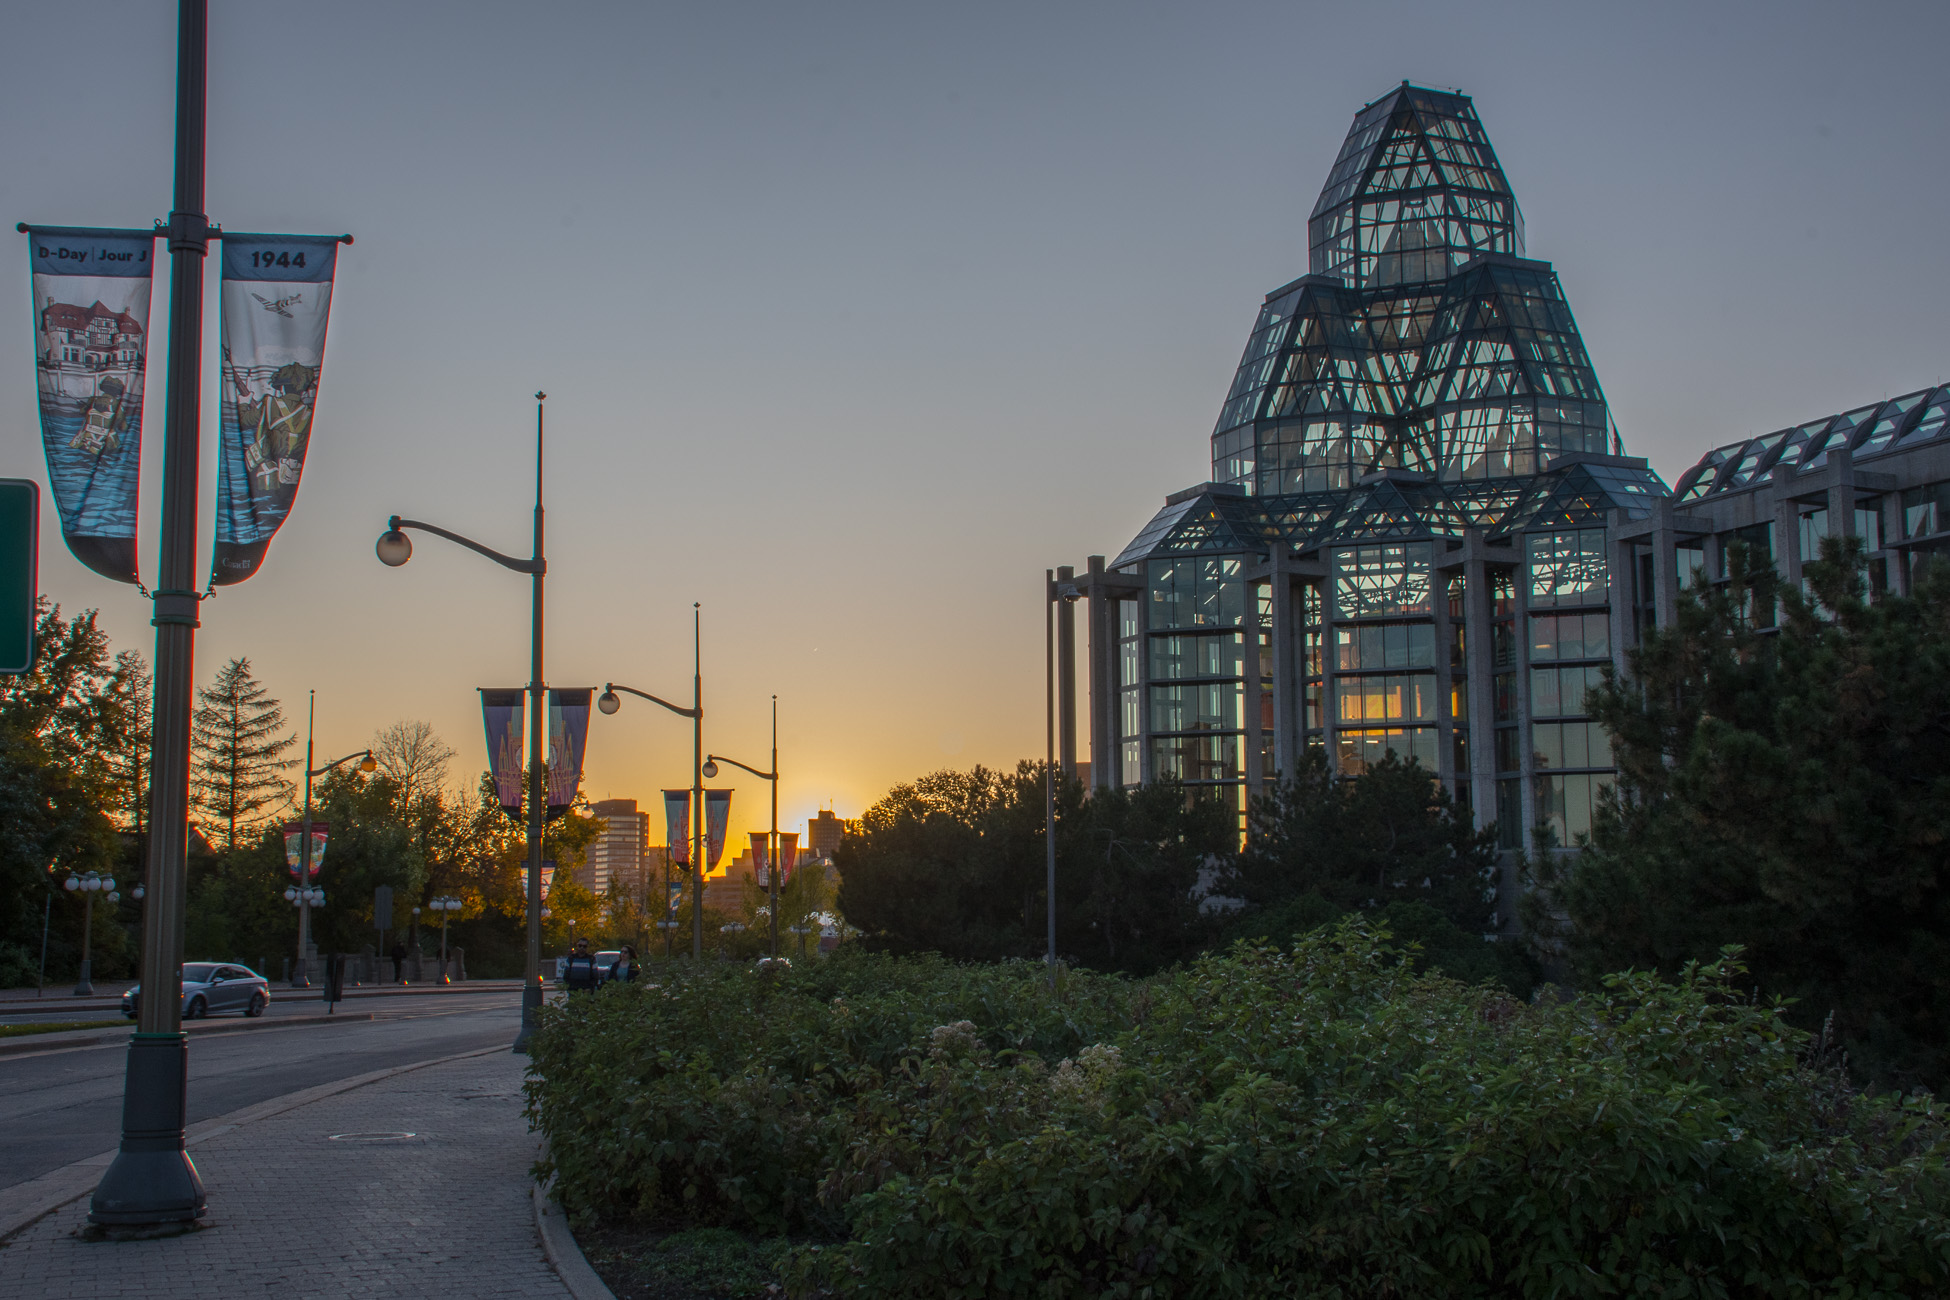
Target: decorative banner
{"points": [[677, 826], [294, 832], [548, 876], [568, 736], [277, 293], [501, 711], [788, 855], [676, 893], [761, 855], [91, 339], [717, 811]]}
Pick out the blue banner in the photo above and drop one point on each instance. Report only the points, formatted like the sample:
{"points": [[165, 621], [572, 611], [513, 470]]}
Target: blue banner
{"points": [[91, 345], [277, 297]]}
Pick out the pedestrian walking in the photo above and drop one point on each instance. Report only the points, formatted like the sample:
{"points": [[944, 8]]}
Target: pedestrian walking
{"points": [[624, 967], [399, 963], [579, 973]]}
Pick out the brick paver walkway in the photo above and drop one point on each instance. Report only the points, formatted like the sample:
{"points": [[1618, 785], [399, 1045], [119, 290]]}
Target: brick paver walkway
{"points": [[295, 1213]]}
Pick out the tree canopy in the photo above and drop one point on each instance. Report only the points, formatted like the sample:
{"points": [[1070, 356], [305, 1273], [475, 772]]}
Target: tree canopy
{"points": [[1784, 785]]}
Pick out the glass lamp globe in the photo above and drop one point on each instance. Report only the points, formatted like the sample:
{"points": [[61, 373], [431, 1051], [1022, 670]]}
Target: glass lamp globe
{"points": [[290, 895], [608, 702], [710, 770], [114, 897], [370, 765], [394, 548], [109, 883]]}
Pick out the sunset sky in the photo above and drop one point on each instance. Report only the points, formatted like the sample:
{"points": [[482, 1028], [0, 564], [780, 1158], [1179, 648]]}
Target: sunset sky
{"points": [[855, 317]]}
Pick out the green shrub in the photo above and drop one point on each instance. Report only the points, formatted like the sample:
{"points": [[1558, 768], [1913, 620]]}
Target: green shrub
{"points": [[1319, 1122]]}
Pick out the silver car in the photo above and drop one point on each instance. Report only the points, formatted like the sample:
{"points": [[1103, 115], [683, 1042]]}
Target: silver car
{"points": [[210, 987]]}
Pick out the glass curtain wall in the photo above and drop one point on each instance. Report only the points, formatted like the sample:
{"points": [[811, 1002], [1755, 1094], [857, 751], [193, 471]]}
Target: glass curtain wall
{"points": [[1569, 620], [1385, 683], [1195, 674]]}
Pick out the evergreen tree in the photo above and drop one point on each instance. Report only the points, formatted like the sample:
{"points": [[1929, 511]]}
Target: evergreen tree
{"points": [[1785, 788], [237, 735], [1391, 834]]}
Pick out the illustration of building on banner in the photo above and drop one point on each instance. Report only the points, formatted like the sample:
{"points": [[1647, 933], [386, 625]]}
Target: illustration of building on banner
{"points": [[80, 347]]}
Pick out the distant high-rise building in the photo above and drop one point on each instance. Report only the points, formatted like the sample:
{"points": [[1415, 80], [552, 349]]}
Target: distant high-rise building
{"points": [[823, 834], [619, 853]]}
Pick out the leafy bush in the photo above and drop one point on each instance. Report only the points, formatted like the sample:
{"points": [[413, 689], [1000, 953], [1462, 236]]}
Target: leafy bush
{"points": [[1323, 1121]]}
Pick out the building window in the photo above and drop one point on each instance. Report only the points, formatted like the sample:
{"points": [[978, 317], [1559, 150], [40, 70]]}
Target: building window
{"points": [[1197, 592], [1564, 802], [1569, 636], [1559, 692], [1561, 745], [1509, 814], [1384, 645], [1208, 706], [1384, 581], [1195, 758], [1926, 510], [1356, 751], [1757, 538], [1392, 697], [1567, 568]]}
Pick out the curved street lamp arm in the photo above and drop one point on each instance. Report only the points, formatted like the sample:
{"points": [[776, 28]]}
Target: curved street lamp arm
{"points": [[645, 695], [321, 771], [720, 758], [536, 565]]}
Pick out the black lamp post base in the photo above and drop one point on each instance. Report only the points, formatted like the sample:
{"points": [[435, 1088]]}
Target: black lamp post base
{"points": [[531, 1005], [152, 1179]]}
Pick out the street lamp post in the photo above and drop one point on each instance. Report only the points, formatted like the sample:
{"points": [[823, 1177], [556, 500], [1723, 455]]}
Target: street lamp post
{"points": [[88, 886], [304, 898], [610, 702], [301, 971], [395, 549], [772, 844], [152, 1180], [446, 905]]}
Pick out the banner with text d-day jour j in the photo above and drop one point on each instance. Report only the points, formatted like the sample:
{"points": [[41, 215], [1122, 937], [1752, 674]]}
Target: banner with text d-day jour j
{"points": [[277, 296], [91, 344]]}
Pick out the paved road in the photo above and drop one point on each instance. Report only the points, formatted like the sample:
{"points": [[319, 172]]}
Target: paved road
{"points": [[66, 1104]]}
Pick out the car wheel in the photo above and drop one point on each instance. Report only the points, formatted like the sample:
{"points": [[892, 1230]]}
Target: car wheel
{"points": [[258, 1003], [197, 1009]]}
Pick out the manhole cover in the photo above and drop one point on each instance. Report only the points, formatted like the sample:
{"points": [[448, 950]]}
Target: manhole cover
{"points": [[372, 1137]]}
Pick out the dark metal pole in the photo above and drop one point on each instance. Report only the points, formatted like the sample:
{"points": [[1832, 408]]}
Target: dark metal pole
{"points": [[697, 784], [152, 1180], [531, 989], [300, 975], [1049, 760], [773, 850]]}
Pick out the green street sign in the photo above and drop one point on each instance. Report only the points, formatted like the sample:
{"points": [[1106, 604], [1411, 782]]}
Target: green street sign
{"points": [[20, 532]]}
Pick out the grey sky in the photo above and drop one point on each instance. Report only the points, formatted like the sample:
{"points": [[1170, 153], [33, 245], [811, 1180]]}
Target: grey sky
{"points": [[855, 317]]}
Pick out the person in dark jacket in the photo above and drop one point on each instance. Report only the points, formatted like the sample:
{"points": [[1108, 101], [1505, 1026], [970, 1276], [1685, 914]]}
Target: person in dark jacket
{"points": [[579, 973], [399, 963], [624, 967]]}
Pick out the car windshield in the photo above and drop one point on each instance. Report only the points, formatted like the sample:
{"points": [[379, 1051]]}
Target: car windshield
{"points": [[197, 972], [607, 957]]}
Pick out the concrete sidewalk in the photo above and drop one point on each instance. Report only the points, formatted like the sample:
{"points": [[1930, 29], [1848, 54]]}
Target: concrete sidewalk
{"points": [[417, 1184]]}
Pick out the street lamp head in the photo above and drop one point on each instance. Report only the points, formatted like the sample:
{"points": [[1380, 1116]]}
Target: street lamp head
{"points": [[114, 896], [709, 770], [291, 895], [609, 701], [394, 548], [137, 893], [371, 764], [71, 884]]}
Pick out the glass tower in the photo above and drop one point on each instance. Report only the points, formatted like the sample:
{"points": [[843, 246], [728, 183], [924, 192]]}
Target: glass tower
{"points": [[1403, 546]]}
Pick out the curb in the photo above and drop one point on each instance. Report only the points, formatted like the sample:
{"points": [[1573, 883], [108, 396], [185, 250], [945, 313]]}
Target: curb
{"points": [[31, 1201], [559, 1244], [35, 1043], [37, 1007]]}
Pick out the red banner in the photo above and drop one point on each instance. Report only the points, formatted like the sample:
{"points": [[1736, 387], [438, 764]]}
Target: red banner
{"points": [[761, 858], [788, 855], [677, 825]]}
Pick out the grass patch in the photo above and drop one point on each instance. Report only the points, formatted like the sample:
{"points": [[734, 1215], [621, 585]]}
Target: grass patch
{"points": [[694, 1264], [59, 1026]]}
